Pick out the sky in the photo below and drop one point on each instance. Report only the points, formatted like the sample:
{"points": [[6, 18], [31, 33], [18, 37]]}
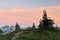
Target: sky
{"points": [[27, 12]]}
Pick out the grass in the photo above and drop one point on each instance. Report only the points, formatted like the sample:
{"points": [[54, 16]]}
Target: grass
{"points": [[33, 35], [9, 36], [43, 35]]}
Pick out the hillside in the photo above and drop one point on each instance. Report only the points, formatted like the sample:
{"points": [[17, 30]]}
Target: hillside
{"points": [[9, 36], [33, 35], [43, 35]]}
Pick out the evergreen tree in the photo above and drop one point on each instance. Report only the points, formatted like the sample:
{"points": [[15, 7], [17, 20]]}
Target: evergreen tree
{"points": [[1, 31], [33, 26], [17, 26], [46, 23]]}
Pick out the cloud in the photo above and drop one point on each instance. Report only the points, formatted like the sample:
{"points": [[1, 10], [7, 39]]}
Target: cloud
{"points": [[28, 16]]}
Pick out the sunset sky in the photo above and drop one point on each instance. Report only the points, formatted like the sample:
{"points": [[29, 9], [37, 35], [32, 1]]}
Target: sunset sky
{"points": [[25, 12]]}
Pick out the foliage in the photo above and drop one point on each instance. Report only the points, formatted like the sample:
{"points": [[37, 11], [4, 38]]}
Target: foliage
{"points": [[9, 36], [17, 26], [33, 26], [0, 30], [43, 35], [46, 23], [33, 35]]}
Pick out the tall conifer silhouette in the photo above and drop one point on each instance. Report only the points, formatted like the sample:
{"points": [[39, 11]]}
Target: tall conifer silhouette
{"points": [[46, 23]]}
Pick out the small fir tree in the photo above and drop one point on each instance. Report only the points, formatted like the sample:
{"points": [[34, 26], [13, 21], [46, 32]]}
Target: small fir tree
{"points": [[33, 26], [1, 31], [17, 26]]}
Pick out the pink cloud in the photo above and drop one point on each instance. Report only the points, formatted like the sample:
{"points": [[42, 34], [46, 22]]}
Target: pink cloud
{"points": [[28, 16]]}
